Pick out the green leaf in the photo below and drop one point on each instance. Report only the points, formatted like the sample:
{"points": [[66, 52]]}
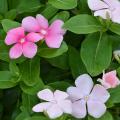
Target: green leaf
{"points": [[30, 71], [6, 80], [9, 24], [3, 6], [63, 4], [22, 116], [46, 52], [83, 24], [115, 28], [11, 14], [106, 116], [96, 53], [75, 62], [37, 118]]}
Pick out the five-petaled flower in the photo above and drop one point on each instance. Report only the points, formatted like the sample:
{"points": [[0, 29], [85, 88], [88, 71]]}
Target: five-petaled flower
{"points": [[107, 9], [84, 93], [52, 34], [23, 44], [109, 80], [57, 103]]}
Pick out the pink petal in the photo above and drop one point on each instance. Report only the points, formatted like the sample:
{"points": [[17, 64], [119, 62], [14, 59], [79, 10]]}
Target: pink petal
{"points": [[84, 83], [60, 95], [14, 35], [54, 111], [96, 109], [34, 37], [66, 106], [46, 94], [79, 109], [97, 4], [41, 107], [99, 93], [29, 49], [75, 93], [43, 22], [116, 15], [56, 27], [103, 13], [54, 40], [15, 51], [30, 24]]}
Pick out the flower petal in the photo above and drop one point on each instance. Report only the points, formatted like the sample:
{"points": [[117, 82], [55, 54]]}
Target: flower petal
{"points": [[14, 35], [15, 51], [41, 107], [43, 22], [30, 24], [103, 13], [56, 27], [84, 83], [79, 109], [97, 5], [54, 40], [96, 109], [99, 93], [74, 93], [46, 94], [66, 106], [116, 15], [34, 37], [29, 49], [54, 111], [60, 95]]}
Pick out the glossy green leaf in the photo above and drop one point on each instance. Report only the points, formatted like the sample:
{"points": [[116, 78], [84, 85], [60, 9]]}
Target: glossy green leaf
{"points": [[3, 6], [115, 28]]}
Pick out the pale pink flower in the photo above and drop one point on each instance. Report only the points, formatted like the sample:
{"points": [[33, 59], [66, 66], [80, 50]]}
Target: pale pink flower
{"points": [[106, 9], [23, 44], [52, 34], [84, 96], [109, 80], [57, 103]]}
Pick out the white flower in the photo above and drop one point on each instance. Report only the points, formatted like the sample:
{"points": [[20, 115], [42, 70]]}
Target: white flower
{"points": [[106, 9], [85, 96], [57, 103]]}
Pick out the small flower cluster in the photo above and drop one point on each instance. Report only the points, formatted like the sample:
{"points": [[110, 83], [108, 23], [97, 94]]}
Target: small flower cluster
{"points": [[31, 31], [107, 9], [85, 96]]}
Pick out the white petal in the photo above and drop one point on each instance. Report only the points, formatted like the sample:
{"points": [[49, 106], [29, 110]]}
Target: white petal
{"points": [[41, 107], [84, 83], [96, 109], [60, 95], [97, 4], [103, 13], [46, 94], [54, 111], [116, 15], [79, 109], [66, 106], [74, 93], [99, 93]]}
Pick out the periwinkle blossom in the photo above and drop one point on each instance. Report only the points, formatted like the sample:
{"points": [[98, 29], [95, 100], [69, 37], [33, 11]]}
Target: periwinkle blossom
{"points": [[53, 34], [84, 96], [23, 44], [56, 103], [107, 9], [110, 80]]}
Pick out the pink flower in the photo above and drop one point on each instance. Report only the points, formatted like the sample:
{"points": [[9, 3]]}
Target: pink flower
{"points": [[109, 80], [23, 44], [52, 34], [84, 94], [106, 9], [57, 103]]}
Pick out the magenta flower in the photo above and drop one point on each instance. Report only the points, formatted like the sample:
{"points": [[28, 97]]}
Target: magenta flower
{"points": [[106, 9], [23, 44], [57, 103], [52, 34], [84, 96], [109, 80]]}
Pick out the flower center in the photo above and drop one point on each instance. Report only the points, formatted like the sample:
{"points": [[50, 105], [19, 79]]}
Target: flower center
{"points": [[43, 32], [22, 40], [86, 98]]}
